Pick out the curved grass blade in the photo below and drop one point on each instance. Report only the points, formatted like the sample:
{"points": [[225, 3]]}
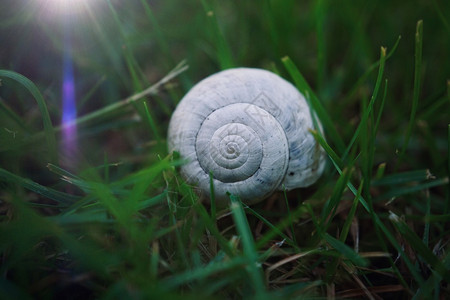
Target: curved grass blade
{"points": [[32, 88]]}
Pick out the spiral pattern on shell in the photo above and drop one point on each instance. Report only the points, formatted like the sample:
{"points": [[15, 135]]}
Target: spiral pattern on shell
{"points": [[249, 129]]}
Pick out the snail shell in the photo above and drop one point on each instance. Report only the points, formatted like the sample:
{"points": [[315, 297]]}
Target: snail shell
{"points": [[249, 128]]}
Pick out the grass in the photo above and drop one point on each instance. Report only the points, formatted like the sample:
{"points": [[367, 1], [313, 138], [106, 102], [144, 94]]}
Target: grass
{"points": [[118, 221]]}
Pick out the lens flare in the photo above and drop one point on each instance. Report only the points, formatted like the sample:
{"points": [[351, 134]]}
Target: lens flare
{"points": [[60, 10], [69, 112], [65, 7]]}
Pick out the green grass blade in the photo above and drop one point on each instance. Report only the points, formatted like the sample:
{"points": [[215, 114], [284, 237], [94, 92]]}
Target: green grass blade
{"points": [[291, 220], [432, 283], [136, 73], [437, 105], [213, 196], [86, 97], [159, 35], [150, 91], [417, 84], [61, 172], [332, 204], [203, 272], [224, 54], [442, 16], [380, 112], [366, 74], [320, 12], [330, 152], [447, 203], [351, 214], [211, 225], [401, 178], [48, 127], [389, 236], [274, 230], [10, 114], [400, 191], [62, 198], [418, 245], [368, 111], [150, 202], [426, 229], [99, 216], [254, 268], [314, 103], [346, 251], [152, 124], [332, 267]]}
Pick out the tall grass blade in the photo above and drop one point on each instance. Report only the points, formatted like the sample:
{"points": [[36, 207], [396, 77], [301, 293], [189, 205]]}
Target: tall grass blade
{"points": [[152, 123], [350, 216], [368, 111], [320, 11], [159, 35], [442, 17], [314, 102], [213, 196], [447, 202], [332, 204], [380, 112], [332, 267], [417, 84], [136, 73], [254, 267], [224, 54], [372, 68], [291, 220]]}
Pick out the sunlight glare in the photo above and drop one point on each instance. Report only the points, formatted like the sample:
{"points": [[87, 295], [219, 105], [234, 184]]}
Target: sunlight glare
{"points": [[66, 7]]}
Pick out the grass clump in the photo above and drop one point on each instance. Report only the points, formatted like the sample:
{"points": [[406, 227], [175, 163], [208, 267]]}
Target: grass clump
{"points": [[113, 219]]}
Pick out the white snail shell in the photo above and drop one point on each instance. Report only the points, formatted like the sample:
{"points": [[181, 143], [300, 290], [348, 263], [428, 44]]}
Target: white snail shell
{"points": [[249, 128]]}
